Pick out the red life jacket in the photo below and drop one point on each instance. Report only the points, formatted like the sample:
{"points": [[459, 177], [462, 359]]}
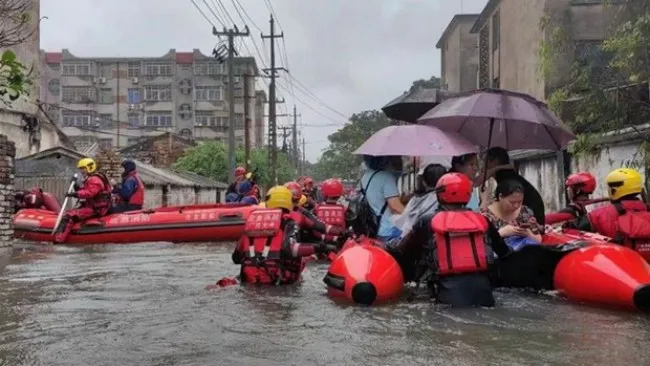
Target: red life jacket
{"points": [[262, 245], [330, 214], [460, 242], [102, 201], [627, 222], [138, 196]]}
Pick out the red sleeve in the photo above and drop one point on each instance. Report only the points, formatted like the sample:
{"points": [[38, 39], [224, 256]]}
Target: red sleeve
{"points": [[557, 217], [91, 188], [302, 250]]}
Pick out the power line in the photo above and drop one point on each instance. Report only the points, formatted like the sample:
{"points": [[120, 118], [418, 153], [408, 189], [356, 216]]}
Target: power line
{"points": [[222, 23]]}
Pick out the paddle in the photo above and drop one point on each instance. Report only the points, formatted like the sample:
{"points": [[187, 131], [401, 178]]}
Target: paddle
{"points": [[65, 203]]}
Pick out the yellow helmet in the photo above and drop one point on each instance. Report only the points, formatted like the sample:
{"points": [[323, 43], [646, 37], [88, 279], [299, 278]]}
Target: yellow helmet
{"points": [[279, 197], [623, 182], [88, 165], [303, 201]]}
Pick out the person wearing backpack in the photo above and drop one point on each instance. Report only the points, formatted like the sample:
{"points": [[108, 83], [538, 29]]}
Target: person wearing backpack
{"points": [[626, 219], [379, 188]]}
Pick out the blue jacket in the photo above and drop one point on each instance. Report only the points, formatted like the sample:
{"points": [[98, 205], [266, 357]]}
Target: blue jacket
{"points": [[127, 188]]}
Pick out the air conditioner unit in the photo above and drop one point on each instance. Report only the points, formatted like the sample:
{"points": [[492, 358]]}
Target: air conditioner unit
{"points": [[134, 80], [95, 80], [139, 106], [102, 80], [132, 106]]}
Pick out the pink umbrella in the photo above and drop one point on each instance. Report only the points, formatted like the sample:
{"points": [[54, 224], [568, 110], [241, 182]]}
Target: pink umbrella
{"points": [[490, 117], [415, 140]]}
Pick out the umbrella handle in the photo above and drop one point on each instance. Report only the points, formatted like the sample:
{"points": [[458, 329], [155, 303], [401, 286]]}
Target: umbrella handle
{"points": [[486, 160]]}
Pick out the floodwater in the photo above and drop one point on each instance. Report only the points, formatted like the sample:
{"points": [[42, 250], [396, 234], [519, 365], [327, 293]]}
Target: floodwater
{"points": [[147, 305]]}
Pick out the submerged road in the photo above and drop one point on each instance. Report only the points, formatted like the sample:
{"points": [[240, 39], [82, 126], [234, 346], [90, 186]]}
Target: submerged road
{"points": [[147, 305]]}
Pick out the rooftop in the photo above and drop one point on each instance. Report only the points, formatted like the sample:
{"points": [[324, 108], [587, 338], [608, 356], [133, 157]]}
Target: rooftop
{"points": [[457, 19]]}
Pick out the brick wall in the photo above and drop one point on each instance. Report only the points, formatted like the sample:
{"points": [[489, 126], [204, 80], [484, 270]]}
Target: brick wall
{"points": [[7, 155], [110, 163]]}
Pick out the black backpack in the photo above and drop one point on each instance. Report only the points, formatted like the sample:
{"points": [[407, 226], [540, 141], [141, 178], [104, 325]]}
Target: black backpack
{"points": [[360, 216]]}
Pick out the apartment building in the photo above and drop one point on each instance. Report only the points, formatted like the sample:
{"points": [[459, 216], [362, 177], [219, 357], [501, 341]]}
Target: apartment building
{"points": [[510, 32], [459, 54], [116, 102]]}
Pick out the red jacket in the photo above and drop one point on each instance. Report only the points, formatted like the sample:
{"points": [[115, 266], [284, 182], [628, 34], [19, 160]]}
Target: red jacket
{"points": [[96, 190]]}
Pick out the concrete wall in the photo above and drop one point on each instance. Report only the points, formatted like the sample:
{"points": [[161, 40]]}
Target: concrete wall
{"points": [[7, 154], [542, 171], [459, 57], [11, 119]]}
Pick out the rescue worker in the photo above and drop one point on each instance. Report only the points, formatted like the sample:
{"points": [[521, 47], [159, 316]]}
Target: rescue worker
{"points": [[307, 220], [578, 188], [311, 192], [625, 218], [240, 175], [330, 211], [462, 245], [247, 193], [96, 193], [269, 251], [130, 194], [38, 199]]}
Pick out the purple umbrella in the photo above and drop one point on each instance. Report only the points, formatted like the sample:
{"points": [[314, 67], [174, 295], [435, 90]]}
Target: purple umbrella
{"points": [[490, 117], [415, 140]]}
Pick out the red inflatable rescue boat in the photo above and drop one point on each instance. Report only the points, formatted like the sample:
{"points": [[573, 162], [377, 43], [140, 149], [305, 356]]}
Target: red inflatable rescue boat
{"points": [[364, 273], [197, 223], [608, 275]]}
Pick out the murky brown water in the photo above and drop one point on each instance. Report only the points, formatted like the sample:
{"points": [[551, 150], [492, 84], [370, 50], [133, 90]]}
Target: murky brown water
{"points": [[147, 305]]}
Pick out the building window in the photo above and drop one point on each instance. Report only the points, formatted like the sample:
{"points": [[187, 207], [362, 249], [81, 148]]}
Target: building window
{"points": [[133, 70], [134, 96], [186, 133], [158, 93], [158, 69], [54, 86], [159, 119], [106, 96], [83, 142], [106, 144], [208, 119], [78, 94], [208, 68], [105, 70], [133, 140], [77, 119], [208, 93], [106, 121], [55, 67], [496, 31], [134, 121], [76, 69], [239, 120]]}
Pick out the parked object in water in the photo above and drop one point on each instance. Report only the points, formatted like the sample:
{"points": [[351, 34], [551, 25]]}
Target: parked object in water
{"points": [[197, 223]]}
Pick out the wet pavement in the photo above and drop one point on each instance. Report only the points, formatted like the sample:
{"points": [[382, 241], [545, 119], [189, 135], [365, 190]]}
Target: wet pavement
{"points": [[147, 305]]}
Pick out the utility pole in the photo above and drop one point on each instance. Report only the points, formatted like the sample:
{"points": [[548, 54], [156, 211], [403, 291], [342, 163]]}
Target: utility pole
{"points": [[304, 160], [285, 134], [272, 73], [231, 34], [247, 119], [296, 157], [117, 104]]}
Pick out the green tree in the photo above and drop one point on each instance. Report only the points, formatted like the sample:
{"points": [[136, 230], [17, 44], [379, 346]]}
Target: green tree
{"points": [[209, 159], [338, 159], [607, 88], [14, 76], [432, 83]]}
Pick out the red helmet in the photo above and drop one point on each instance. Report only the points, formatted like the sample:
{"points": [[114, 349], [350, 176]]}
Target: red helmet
{"points": [[307, 181], [239, 171], [454, 188], [332, 188], [584, 182], [295, 189]]}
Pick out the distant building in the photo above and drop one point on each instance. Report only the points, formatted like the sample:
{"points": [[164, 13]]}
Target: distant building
{"points": [[97, 100], [459, 54], [260, 102], [22, 122]]}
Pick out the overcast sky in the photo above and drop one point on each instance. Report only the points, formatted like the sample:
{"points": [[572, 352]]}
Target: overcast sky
{"points": [[348, 55]]}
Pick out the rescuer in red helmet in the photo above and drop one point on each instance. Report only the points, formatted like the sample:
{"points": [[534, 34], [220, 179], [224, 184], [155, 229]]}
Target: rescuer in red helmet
{"points": [[240, 174], [461, 246], [330, 212], [307, 220], [579, 187]]}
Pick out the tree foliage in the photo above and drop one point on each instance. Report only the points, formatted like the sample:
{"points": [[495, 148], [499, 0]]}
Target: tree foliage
{"points": [[432, 83], [338, 159], [14, 30], [608, 84], [210, 159]]}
